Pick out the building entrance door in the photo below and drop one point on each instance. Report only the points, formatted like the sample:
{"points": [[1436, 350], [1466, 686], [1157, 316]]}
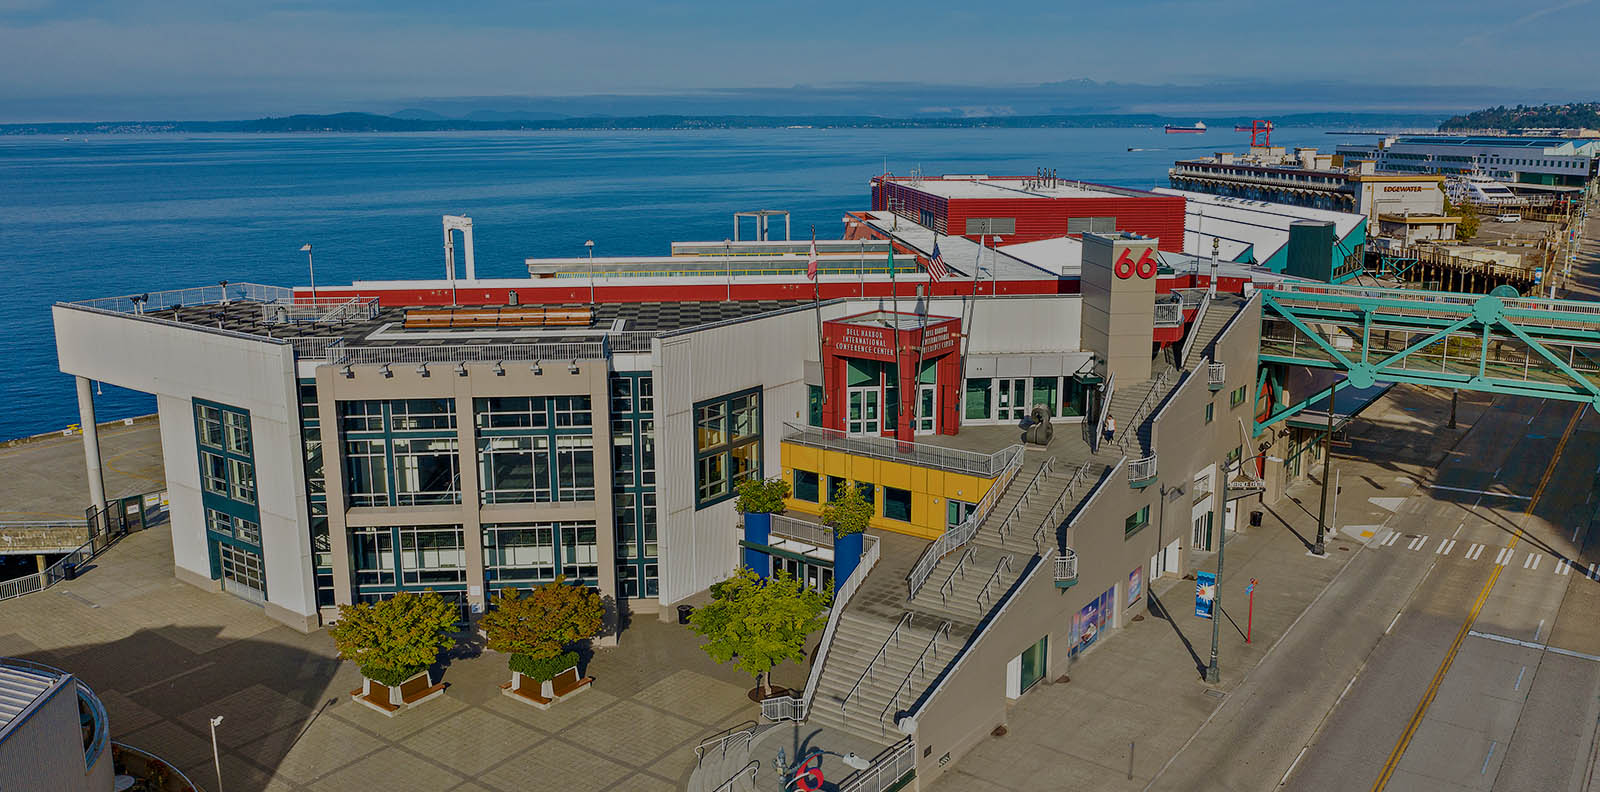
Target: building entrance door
{"points": [[243, 574], [866, 404], [1033, 664], [927, 413], [1011, 400]]}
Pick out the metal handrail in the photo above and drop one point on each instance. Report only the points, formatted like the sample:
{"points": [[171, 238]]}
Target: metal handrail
{"points": [[721, 739], [869, 559], [1216, 373], [1045, 469], [809, 532], [748, 770], [949, 583], [1105, 412], [1145, 406], [887, 769], [1168, 313], [1005, 563], [894, 635], [471, 353], [1078, 476], [1199, 315], [1067, 565], [199, 295], [99, 540], [957, 537], [784, 707], [920, 665], [911, 453]]}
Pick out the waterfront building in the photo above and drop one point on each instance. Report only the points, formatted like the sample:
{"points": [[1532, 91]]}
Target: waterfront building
{"points": [[54, 733], [1526, 163]]}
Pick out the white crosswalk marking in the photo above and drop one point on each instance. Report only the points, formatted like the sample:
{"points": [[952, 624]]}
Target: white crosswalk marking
{"points": [[1394, 536], [1592, 574], [1474, 551], [1445, 546], [1564, 567], [1417, 542], [1504, 556], [1532, 561]]}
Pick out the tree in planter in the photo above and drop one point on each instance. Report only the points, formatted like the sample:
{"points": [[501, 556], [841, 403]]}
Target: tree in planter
{"points": [[847, 513], [394, 639], [758, 500], [536, 629], [759, 623]]}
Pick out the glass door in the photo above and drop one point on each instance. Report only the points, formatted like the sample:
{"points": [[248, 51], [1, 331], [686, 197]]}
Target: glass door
{"points": [[1011, 399], [865, 403], [243, 574], [927, 413], [957, 511], [1033, 663]]}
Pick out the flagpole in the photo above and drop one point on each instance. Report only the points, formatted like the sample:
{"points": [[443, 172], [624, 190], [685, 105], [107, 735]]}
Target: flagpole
{"points": [[816, 299], [922, 344], [894, 327]]}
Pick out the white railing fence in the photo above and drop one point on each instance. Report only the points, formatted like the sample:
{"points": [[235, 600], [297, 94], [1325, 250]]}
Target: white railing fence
{"points": [[782, 708], [1045, 469], [911, 453], [1216, 374], [869, 559], [733, 736], [866, 674], [553, 354], [918, 670], [1194, 329], [1105, 412], [987, 593], [957, 537], [1142, 469], [1067, 565], [887, 769], [1169, 313]]}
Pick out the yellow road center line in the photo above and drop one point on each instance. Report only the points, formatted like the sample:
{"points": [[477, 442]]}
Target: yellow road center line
{"points": [[1399, 751]]}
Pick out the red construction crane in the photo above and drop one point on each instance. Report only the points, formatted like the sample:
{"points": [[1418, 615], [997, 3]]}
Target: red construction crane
{"points": [[1260, 132]]}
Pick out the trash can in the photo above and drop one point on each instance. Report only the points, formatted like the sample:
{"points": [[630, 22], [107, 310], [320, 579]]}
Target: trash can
{"points": [[1255, 519], [683, 613], [69, 571]]}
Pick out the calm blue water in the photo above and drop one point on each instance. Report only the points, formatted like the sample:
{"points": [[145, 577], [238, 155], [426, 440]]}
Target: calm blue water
{"points": [[103, 216]]}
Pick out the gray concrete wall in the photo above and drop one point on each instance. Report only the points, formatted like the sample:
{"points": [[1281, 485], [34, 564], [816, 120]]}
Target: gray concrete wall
{"points": [[179, 363], [45, 751]]}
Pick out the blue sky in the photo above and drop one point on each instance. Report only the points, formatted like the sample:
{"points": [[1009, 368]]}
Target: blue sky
{"points": [[226, 58]]}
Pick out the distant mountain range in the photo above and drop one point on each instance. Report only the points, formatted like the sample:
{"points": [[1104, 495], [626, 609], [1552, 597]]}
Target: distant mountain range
{"points": [[417, 120], [1548, 116]]}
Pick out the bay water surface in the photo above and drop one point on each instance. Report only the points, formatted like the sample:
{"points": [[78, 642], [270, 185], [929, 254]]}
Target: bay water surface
{"points": [[111, 215]]}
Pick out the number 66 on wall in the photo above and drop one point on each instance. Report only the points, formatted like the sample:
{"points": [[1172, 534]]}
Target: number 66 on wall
{"points": [[1145, 266]]}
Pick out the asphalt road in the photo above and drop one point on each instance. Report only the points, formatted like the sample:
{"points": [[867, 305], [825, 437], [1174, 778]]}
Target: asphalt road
{"points": [[1488, 675]]}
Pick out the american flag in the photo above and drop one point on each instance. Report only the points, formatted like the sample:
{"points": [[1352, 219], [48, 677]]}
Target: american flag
{"points": [[936, 268], [811, 266]]}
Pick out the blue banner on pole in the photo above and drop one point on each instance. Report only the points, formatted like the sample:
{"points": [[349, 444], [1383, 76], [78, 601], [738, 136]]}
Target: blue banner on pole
{"points": [[1205, 593]]}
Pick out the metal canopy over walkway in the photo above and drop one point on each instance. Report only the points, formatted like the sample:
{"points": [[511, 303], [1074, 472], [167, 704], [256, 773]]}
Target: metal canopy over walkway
{"points": [[1498, 344]]}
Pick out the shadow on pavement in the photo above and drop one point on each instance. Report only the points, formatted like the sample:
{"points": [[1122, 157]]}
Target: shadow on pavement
{"points": [[1159, 609]]}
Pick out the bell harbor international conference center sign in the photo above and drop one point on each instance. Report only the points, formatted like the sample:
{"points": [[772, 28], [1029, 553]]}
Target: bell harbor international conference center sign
{"points": [[1205, 593]]}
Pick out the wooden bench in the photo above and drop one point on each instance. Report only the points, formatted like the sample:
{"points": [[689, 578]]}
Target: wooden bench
{"points": [[544, 694], [527, 690], [389, 701], [567, 683]]}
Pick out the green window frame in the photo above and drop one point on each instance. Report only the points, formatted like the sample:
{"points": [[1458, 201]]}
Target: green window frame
{"points": [[1211, 409], [1236, 398], [727, 439], [1136, 521], [807, 486]]}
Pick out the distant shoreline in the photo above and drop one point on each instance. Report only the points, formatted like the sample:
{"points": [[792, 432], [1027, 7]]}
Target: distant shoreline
{"points": [[370, 123]]}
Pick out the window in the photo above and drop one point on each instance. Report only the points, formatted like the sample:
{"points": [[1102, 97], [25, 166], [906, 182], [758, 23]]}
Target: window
{"points": [[897, 504], [425, 472], [432, 554], [238, 432], [1044, 391], [372, 555], [834, 483], [219, 522], [311, 444], [806, 486], [214, 473], [574, 468], [208, 423], [519, 552], [869, 493], [621, 395], [539, 450], [515, 469], [1210, 409], [367, 479], [647, 452], [1234, 456], [410, 414], [814, 405], [647, 395], [573, 411], [1135, 521], [580, 554], [247, 531], [241, 481], [727, 445], [978, 399], [361, 416], [622, 452], [513, 412], [1236, 398]]}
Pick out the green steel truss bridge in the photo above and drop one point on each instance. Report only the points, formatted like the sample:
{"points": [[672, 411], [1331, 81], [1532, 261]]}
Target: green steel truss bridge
{"points": [[1494, 343]]}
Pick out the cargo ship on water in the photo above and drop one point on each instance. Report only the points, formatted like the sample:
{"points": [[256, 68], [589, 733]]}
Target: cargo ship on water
{"points": [[1199, 128]]}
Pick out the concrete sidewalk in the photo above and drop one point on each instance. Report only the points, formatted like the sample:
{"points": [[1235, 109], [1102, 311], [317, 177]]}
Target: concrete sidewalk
{"points": [[1134, 702]]}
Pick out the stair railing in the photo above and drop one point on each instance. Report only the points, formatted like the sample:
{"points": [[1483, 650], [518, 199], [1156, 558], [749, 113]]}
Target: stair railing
{"points": [[894, 637], [1058, 511], [1045, 469], [1105, 411], [949, 585], [869, 559], [1194, 332], [1148, 403], [957, 537], [984, 593], [919, 669]]}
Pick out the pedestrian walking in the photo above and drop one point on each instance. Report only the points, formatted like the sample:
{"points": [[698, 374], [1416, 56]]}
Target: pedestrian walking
{"points": [[1111, 428]]}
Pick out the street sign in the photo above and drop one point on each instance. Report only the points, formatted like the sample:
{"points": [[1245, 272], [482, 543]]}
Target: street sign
{"points": [[1250, 587], [1205, 593]]}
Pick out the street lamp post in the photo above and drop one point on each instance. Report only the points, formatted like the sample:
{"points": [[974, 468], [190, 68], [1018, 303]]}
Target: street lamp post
{"points": [[1213, 673], [590, 245], [216, 758], [306, 249], [1320, 548]]}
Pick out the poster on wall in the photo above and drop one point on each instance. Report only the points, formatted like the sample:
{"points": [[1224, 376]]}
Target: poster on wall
{"points": [[1090, 621], [1205, 593], [1135, 585]]}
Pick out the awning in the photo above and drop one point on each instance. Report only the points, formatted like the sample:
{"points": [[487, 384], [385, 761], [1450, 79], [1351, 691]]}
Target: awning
{"points": [[1348, 402]]}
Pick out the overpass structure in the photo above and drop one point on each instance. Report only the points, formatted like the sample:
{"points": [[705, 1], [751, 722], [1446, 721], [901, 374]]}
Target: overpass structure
{"points": [[1497, 343]]}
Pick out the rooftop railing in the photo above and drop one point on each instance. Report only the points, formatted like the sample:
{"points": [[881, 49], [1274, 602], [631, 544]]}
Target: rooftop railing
{"points": [[316, 347], [324, 310], [199, 295], [1169, 313], [802, 530], [548, 354], [917, 454]]}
